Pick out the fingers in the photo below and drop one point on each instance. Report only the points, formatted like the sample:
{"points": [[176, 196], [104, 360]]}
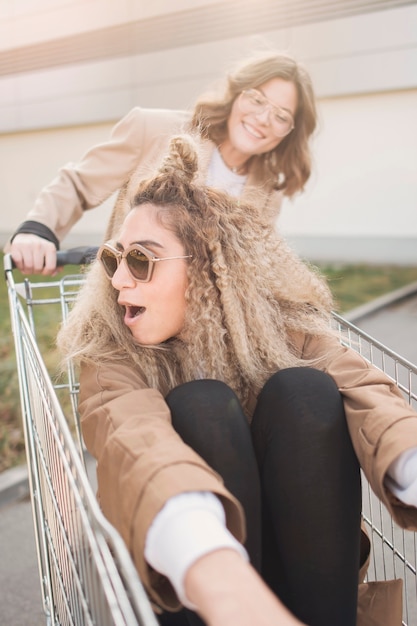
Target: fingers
{"points": [[33, 255]]}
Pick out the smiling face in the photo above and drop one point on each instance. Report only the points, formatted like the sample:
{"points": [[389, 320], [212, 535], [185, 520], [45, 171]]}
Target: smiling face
{"points": [[154, 311], [250, 134]]}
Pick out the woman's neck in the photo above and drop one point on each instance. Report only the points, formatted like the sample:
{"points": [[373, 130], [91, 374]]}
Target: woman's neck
{"points": [[233, 159]]}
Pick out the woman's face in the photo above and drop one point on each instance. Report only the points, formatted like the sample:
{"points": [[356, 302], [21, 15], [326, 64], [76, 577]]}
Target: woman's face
{"points": [[251, 133], [154, 311]]}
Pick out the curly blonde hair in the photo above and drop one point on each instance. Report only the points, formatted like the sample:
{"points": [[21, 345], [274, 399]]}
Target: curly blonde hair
{"points": [[248, 292], [288, 166]]}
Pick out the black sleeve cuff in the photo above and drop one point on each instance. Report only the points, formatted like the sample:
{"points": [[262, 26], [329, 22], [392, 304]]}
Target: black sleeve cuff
{"points": [[36, 228]]}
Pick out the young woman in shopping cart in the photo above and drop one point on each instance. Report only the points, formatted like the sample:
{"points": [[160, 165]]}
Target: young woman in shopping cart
{"points": [[222, 409]]}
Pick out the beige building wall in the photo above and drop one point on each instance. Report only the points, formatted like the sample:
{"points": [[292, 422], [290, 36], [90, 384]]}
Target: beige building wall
{"points": [[361, 202]]}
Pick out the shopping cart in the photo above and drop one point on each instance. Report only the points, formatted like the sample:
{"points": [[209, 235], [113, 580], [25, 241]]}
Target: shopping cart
{"points": [[87, 576]]}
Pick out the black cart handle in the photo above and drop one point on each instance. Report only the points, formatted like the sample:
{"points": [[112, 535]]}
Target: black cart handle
{"points": [[76, 256]]}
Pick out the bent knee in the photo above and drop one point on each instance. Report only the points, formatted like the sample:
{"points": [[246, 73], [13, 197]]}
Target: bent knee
{"points": [[304, 392]]}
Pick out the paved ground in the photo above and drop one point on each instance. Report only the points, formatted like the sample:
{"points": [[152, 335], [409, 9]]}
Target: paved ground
{"points": [[20, 599], [20, 595], [395, 326], [20, 590]]}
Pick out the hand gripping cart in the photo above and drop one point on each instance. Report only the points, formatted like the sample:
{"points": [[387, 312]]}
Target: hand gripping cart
{"points": [[86, 574]]}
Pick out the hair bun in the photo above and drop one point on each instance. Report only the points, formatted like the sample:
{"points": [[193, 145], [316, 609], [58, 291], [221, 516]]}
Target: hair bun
{"points": [[182, 160]]}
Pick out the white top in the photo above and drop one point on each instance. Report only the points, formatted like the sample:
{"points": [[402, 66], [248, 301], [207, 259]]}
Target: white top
{"points": [[221, 177]]}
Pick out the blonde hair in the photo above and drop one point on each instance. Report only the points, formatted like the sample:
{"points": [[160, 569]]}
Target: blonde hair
{"points": [[248, 292], [288, 166]]}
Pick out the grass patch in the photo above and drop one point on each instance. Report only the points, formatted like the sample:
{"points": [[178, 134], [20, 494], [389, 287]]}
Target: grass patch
{"points": [[352, 285], [47, 320]]}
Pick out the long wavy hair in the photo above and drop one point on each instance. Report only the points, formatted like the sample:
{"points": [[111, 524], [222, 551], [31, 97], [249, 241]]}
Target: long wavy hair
{"points": [[248, 292], [288, 166]]}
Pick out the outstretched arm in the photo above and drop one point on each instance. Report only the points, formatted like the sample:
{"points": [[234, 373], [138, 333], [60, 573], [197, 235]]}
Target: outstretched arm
{"points": [[81, 186], [209, 569], [227, 590]]}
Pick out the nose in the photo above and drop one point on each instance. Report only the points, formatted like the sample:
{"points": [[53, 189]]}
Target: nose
{"points": [[263, 115], [121, 277]]}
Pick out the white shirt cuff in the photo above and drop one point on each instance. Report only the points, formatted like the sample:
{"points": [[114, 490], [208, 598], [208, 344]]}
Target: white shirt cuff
{"points": [[189, 526], [401, 479]]}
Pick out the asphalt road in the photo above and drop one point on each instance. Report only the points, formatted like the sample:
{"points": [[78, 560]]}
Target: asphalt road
{"points": [[20, 592], [395, 326]]}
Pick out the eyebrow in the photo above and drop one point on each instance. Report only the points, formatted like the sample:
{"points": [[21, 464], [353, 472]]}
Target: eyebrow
{"points": [[145, 243]]}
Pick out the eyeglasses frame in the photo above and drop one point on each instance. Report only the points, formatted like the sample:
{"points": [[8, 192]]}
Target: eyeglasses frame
{"points": [[121, 255], [271, 105]]}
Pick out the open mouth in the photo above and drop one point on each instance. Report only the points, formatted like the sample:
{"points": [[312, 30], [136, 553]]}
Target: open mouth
{"points": [[134, 311]]}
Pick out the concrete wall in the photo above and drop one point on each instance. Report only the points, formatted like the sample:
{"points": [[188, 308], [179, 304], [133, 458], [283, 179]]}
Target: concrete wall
{"points": [[361, 201]]}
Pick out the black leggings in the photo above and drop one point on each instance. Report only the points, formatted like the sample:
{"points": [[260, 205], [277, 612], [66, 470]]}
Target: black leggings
{"points": [[296, 475]]}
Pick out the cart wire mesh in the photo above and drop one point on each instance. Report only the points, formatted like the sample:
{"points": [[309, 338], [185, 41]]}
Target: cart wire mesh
{"points": [[87, 576], [86, 573], [394, 550]]}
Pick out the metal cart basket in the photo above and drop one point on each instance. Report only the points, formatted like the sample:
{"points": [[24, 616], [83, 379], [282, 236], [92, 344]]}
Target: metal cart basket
{"points": [[86, 574], [394, 551]]}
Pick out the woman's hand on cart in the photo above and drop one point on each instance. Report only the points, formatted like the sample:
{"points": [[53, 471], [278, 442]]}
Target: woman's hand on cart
{"points": [[32, 254], [81, 255]]}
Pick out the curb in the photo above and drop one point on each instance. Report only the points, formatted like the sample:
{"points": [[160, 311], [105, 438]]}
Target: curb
{"points": [[14, 485], [379, 303]]}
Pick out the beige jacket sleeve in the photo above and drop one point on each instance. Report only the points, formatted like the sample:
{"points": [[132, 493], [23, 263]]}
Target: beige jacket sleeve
{"points": [[103, 169], [381, 423], [141, 462]]}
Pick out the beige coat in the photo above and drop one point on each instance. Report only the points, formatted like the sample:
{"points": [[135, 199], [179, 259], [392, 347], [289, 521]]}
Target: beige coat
{"points": [[137, 144], [142, 461]]}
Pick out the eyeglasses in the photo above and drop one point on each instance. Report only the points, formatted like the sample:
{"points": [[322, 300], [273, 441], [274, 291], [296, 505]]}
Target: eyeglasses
{"points": [[253, 101], [139, 261]]}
